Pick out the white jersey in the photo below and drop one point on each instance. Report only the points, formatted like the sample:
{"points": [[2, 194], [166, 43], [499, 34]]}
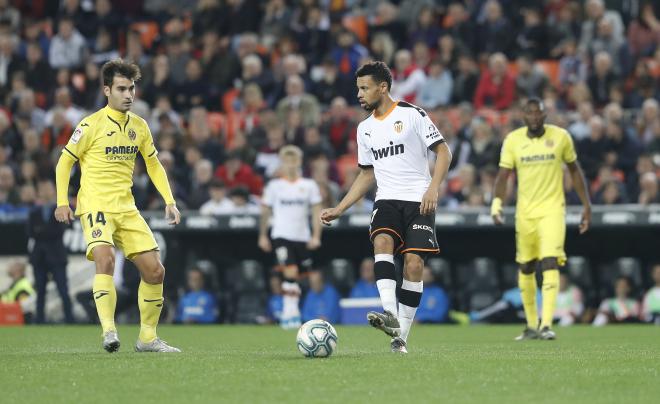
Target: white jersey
{"points": [[291, 202], [396, 146]]}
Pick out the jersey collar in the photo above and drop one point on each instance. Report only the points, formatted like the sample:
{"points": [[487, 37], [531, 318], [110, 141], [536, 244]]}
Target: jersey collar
{"points": [[115, 115]]}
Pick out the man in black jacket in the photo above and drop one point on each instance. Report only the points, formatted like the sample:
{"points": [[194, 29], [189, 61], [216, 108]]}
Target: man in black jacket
{"points": [[48, 254]]}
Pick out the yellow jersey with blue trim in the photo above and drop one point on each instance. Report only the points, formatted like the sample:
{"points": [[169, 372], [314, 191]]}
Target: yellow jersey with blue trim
{"points": [[106, 144], [539, 164]]}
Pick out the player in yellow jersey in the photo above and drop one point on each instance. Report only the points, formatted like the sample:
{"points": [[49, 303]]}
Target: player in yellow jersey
{"points": [[538, 152], [105, 144]]}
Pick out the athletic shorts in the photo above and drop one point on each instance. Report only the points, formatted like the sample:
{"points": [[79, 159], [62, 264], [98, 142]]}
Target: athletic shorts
{"points": [[411, 231], [288, 253], [127, 231], [541, 237]]}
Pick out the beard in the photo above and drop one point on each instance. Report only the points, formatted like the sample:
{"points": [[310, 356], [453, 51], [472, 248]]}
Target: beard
{"points": [[370, 107]]}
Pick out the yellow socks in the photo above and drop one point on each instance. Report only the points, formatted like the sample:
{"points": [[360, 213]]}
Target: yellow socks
{"points": [[105, 297], [549, 291], [150, 302], [527, 285]]}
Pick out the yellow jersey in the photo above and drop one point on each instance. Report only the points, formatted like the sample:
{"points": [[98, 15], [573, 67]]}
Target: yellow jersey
{"points": [[539, 164], [106, 144]]}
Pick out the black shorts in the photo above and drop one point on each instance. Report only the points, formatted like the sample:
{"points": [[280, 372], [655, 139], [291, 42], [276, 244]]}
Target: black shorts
{"points": [[289, 252], [411, 231]]}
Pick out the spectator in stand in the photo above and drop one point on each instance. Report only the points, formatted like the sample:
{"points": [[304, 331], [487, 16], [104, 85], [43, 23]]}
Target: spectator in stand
{"points": [[531, 81], [322, 300], [9, 196], [621, 308], [460, 26], [595, 11], [426, 28], [572, 68], [602, 79], [484, 146], [200, 134], [268, 160], [570, 303], [234, 172], [648, 186], [407, 78], [338, 126], [68, 48], [438, 87], [580, 129], [593, 148], [366, 285], [465, 81], [651, 302], [644, 32], [622, 149], [297, 99], [193, 92], [219, 203], [533, 38], [243, 203], [606, 41], [496, 35], [496, 88], [199, 192], [37, 70], [348, 54], [197, 305], [254, 73], [434, 306]]}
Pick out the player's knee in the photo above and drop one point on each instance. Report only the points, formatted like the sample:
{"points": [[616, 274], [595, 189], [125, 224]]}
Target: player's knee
{"points": [[414, 266], [549, 263], [105, 264], [528, 267], [154, 273], [383, 244]]}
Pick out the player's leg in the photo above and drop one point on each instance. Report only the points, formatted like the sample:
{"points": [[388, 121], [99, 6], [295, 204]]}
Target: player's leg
{"points": [[105, 294], [550, 290], [528, 290], [135, 239], [410, 295], [552, 230], [286, 264], [385, 275], [98, 229]]}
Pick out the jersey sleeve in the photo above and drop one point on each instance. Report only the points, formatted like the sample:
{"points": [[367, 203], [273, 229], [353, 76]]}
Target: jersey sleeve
{"points": [[365, 159], [147, 146], [268, 197], [80, 140], [507, 159], [568, 152], [428, 132], [315, 193]]}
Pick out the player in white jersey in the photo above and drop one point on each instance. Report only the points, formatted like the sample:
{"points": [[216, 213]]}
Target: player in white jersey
{"points": [[289, 200], [392, 151]]}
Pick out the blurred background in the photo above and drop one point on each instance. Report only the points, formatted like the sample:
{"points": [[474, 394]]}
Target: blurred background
{"points": [[227, 83]]}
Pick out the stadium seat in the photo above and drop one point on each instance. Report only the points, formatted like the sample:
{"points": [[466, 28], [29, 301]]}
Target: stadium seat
{"points": [[441, 271], [551, 69], [509, 275], [148, 31], [340, 273], [358, 25], [579, 272], [247, 277], [249, 307], [625, 266], [478, 283]]}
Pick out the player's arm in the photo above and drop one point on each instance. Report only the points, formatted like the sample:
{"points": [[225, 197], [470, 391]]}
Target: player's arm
{"points": [[499, 193], [580, 184], [158, 176], [362, 184], [264, 220], [63, 212], [315, 242], [442, 161]]}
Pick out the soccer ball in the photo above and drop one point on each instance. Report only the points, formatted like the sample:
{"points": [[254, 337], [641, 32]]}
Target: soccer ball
{"points": [[316, 339]]}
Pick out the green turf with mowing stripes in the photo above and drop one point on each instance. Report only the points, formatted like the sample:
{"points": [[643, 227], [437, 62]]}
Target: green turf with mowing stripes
{"points": [[261, 364]]}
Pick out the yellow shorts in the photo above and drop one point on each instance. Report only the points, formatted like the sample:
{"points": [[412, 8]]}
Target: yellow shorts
{"points": [[127, 231], [541, 237]]}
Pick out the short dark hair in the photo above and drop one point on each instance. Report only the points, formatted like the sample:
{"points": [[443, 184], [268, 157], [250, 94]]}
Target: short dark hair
{"points": [[119, 67], [378, 71], [535, 101]]}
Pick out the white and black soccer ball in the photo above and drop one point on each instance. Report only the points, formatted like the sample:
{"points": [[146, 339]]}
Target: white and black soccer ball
{"points": [[316, 339]]}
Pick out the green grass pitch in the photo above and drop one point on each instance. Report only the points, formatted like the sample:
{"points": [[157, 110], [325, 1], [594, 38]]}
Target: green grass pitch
{"points": [[247, 364]]}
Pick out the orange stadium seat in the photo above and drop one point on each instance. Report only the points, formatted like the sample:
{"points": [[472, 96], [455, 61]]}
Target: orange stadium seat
{"points": [[358, 25], [551, 69], [11, 314]]}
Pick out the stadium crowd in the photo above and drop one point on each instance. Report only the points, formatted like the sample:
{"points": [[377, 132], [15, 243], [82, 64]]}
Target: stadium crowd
{"points": [[227, 83]]}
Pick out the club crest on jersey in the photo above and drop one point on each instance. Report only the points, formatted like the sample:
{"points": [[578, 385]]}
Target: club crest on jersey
{"points": [[77, 134], [398, 126], [549, 143], [96, 233], [131, 134]]}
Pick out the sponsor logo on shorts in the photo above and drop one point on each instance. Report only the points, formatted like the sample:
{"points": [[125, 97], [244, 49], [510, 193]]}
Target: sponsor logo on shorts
{"points": [[96, 233], [422, 227]]}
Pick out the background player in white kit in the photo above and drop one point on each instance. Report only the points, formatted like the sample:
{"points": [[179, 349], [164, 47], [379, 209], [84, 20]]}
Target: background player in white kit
{"points": [[392, 150], [289, 200]]}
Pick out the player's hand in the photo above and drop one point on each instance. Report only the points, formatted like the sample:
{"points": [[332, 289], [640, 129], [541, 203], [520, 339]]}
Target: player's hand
{"points": [[498, 219], [64, 214], [313, 243], [496, 211], [328, 215], [172, 214], [429, 202], [586, 220], [264, 244]]}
